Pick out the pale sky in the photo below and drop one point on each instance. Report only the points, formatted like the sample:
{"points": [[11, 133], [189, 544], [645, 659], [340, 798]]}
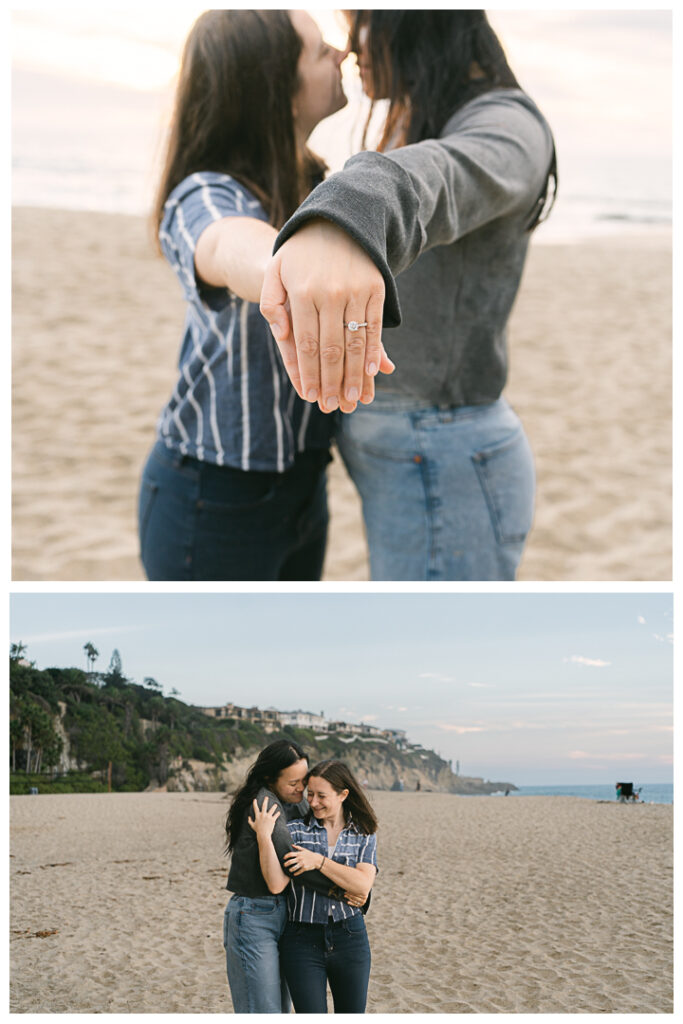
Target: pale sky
{"points": [[528, 688], [602, 77]]}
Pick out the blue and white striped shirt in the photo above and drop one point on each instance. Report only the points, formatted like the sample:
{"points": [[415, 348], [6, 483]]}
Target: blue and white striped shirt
{"points": [[352, 848], [233, 403]]}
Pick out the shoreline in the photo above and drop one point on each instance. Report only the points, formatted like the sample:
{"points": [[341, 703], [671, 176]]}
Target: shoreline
{"points": [[565, 233]]}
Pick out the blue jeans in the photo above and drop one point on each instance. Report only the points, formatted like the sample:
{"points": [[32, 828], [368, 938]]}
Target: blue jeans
{"points": [[313, 954], [448, 494], [251, 931], [198, 521]]}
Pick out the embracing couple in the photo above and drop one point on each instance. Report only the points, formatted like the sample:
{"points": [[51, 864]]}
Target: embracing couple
{"points": [[283, 354], [300, 873]]}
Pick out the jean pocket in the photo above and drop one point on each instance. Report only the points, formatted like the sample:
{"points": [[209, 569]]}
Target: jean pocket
{"points": [[238, 492], [354, 925], [258, 907], [507, 477]]}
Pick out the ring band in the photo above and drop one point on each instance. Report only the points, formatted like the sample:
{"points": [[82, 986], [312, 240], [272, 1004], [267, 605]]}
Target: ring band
{"points": [[353, 325]]}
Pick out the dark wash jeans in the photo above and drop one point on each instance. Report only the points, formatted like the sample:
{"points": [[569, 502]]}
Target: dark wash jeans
{"points": [[313, 954], [198, 521]]}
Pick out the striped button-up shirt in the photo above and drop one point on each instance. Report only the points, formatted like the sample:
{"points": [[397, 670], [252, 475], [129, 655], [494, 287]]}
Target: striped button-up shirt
{"points": [[352, 848], [233, 403]]}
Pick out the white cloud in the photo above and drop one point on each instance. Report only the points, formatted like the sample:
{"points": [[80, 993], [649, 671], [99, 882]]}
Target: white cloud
{"points": [[483, 686], [369, 718], [438, 676], [459, 729], [668, 639], [579, 659], [641, 620]]}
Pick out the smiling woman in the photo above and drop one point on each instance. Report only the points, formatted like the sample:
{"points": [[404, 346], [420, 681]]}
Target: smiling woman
{"points": [[257, 912], [325, 939]]}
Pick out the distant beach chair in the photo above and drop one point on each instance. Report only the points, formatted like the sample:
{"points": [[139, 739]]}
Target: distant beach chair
{"points": [[626, 793]]}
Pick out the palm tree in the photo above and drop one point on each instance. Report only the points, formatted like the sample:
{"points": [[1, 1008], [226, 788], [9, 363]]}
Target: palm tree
{"points": [[17, 651], [91, 654]]}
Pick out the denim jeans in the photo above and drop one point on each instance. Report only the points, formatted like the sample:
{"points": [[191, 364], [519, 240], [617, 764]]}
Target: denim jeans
{"points": [[448, 494], [313, 954], [251, 931], [198, 521]]}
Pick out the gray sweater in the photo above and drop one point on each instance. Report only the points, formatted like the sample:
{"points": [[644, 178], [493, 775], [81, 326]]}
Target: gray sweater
{"points": [[448, 217], [245, 878]]}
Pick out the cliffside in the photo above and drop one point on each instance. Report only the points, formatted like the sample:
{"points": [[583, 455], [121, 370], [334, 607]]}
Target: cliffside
{"points": [[85, 732], [379, 768]]}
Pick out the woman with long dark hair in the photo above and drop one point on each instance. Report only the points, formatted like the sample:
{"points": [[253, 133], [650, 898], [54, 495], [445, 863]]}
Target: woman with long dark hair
{"points": [[429, 236], [325, 940], [255, 917], [234, 488]]}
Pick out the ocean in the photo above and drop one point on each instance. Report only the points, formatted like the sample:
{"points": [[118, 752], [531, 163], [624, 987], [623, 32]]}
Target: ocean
{"points": [[98, 148], [654, 793]]}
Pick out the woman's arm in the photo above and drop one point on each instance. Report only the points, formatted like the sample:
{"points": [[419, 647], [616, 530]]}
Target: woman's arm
{"points": [[263, 823], [233, 252], [357, 880], [342, 249]]}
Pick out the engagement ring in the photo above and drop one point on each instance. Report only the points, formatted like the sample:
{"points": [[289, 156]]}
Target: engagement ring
{"points": [[353, 325]]}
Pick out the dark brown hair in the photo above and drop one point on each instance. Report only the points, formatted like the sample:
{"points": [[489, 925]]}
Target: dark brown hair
{"points": [[428, 64], [233, 110], [356, 806], [263, 773]]}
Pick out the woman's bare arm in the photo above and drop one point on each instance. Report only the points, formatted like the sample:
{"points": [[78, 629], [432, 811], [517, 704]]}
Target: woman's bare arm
{"points": [[357, 880], [233, 252]]}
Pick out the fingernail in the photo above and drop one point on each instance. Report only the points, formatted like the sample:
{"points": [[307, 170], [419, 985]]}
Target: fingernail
{"points": [[372, 369], [352, 394], [312, 395], [332, 402]]}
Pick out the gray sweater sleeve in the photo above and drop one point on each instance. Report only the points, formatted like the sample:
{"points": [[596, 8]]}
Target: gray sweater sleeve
{"points": [[492, 160], [282, 842]]}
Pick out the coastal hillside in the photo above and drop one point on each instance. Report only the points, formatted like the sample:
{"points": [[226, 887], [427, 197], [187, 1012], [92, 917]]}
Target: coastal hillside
{"points": [[77, 731]]}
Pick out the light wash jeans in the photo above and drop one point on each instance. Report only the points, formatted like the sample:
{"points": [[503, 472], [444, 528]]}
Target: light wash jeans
{"points": [[448, 494], [251, 932]]}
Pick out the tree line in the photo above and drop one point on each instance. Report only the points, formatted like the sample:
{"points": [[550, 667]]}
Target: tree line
{"points": [[122, 735], [126, 731]]}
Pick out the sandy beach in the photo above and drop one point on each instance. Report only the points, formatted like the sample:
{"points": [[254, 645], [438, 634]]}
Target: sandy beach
{"points": [[482, 905], [96, 328]]}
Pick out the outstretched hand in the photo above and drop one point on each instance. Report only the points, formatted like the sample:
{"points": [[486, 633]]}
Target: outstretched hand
{"points": [[317, 284]]}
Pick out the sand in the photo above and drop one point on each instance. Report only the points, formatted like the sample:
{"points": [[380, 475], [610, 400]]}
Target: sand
{"points": [[97, 323], [482, 905]]}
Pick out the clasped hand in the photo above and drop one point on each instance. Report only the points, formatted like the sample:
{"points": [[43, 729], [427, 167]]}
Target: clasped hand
{"points": [[301, 860], [264, 818], [318, 283]]}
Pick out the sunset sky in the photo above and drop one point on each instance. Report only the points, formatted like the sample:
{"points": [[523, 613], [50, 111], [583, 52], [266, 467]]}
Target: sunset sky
{"points": [[602, 77]]}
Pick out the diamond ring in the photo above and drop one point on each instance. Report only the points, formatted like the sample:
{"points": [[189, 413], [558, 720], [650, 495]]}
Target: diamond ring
{"points": [[353, 325]]}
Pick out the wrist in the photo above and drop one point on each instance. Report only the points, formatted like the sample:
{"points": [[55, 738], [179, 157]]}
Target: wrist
{"points": [[322, 863]]}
